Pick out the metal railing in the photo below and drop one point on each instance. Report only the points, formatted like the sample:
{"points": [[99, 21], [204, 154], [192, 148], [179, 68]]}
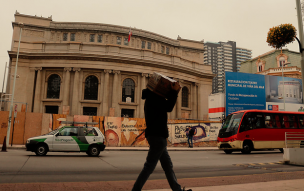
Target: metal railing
{"points": [[294, 139]]}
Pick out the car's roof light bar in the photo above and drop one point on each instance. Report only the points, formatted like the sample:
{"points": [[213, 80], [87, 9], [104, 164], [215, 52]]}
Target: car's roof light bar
{"points": [[75, 122]]}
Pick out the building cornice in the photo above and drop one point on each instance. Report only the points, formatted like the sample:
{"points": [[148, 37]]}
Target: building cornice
{"points": [[102, 28], [110, 58], [112, 29], [35, 17], [278, 70]]}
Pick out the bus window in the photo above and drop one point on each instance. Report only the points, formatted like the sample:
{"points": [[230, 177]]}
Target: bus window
{"points": [[227, 121], [269, 121], [252, 121], [295, 122], [301, 121], [277, 121], [292, 121], [235, 122], [285, 123], [260, 123]]}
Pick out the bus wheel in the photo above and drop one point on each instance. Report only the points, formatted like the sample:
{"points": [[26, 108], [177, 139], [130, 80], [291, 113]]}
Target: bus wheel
{"points": [[246, 148], [282, 150], [228, 151]]}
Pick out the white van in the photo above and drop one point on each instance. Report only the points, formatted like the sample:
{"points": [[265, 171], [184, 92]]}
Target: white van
{"points": [[69, 139]]}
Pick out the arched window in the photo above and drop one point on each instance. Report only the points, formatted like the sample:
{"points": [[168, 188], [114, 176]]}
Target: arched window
{"points": [[185, 97], [91, 88], [53, 87], [260, 64], [128, 88], [282, 61], [260, 67]]}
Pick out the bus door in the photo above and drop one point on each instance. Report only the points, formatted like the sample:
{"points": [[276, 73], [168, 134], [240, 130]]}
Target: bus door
{"points": [[253, 128], [272, 124]]}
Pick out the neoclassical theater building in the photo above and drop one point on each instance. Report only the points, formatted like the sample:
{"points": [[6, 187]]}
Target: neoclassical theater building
{"points": [[77, 68]]}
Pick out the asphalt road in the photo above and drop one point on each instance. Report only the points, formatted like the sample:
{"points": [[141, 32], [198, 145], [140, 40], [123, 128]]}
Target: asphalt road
{"points": [[19, 166]]}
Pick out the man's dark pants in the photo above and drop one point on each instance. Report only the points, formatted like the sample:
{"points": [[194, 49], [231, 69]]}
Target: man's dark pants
{"points": [[190, 138], [157, 151]]}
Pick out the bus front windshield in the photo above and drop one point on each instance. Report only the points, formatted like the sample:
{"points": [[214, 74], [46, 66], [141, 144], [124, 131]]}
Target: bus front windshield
{"points": [[232, 122]]}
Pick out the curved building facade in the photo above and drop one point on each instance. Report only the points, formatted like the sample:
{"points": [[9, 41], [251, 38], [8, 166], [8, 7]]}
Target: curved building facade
{"points": [[78, 68]]}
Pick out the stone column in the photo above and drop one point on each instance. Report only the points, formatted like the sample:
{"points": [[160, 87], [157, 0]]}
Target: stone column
{"points": [[100, 93], [75, 98], [199, 103], [179, 101], [80, 94], [106, 88], [194, 101], [142, 102], [173, 112], [66, 92], [37, 100], [115, 93]]}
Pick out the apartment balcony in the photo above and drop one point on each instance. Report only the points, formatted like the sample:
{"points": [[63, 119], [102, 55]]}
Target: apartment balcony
{"points": [[227, 45]]}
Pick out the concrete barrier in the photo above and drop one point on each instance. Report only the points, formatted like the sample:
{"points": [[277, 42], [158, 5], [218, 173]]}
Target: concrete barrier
{"points": [[294, 156]]}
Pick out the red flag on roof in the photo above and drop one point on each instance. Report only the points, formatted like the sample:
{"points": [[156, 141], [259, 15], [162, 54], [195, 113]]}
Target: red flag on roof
{"points": [[130, 34]]}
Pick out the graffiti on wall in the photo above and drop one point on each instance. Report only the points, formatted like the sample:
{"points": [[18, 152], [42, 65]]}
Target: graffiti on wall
{"points": [[112, 131], [202, 132], [133, 132]]}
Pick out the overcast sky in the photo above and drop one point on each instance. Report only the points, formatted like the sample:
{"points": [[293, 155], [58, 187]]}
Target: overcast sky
{"points": [[246, 22]]}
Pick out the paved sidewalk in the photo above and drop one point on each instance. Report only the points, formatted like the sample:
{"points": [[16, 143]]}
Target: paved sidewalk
{"points": [[282, 185], [293, 181], [134, 148]]}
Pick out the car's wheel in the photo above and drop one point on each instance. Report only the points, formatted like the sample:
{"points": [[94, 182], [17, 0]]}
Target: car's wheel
{"points": [[282, 150], [41, 150], [246, 148], [228, 151], [93, 151]]}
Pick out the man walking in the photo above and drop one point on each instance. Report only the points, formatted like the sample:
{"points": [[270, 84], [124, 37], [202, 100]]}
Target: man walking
{"points": [[190, 137], [189, 133], [156, 133]]}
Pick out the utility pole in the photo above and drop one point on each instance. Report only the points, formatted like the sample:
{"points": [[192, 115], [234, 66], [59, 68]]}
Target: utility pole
{"points": [[300, 26], [12, 102]]}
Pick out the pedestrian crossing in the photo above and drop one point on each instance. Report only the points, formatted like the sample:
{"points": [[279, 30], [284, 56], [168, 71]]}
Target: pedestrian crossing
{"points": [[259, 164], [272, 166]]}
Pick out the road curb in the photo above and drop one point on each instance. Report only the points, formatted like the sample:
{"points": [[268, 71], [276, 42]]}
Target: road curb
{"points": [[131, 149]]}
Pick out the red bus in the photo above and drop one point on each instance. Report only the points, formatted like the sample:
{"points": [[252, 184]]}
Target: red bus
{"points": [[250, 130]]}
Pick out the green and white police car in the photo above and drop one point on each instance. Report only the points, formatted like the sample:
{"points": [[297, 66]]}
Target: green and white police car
{"points": [[68, 139]]}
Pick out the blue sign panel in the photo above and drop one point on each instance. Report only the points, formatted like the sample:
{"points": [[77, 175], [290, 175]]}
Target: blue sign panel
{"points": [[244, 91]]}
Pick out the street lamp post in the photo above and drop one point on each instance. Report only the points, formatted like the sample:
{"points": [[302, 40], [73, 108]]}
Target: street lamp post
{"points": [[12, 102], [283, 64], [301, 41]]}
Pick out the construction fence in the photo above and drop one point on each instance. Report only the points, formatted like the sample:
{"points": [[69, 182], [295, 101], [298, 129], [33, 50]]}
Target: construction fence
{"points": [[119, 131]]}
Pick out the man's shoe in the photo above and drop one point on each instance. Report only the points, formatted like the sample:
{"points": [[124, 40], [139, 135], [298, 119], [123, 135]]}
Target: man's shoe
{"points": [[184, 189]]}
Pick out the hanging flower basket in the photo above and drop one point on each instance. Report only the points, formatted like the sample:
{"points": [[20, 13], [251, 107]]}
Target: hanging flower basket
{"points": [[281, 35]]}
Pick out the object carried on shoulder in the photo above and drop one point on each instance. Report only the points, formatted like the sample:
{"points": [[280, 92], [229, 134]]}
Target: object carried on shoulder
{"points": [[160, 84]]}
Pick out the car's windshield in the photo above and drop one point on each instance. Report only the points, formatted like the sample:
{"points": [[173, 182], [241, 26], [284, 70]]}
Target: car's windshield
{"points": [[232, 122], [54, 132]]}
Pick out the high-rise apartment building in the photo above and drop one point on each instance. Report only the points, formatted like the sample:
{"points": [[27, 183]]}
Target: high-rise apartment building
{"points": [[242, 54], [224, 56]]}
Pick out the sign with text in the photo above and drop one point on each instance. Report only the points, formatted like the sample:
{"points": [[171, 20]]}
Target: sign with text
{"points": [[244, 91]]}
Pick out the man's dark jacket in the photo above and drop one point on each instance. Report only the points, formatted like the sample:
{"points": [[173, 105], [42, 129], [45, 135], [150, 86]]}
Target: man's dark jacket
{"points": [[156, 108]]}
